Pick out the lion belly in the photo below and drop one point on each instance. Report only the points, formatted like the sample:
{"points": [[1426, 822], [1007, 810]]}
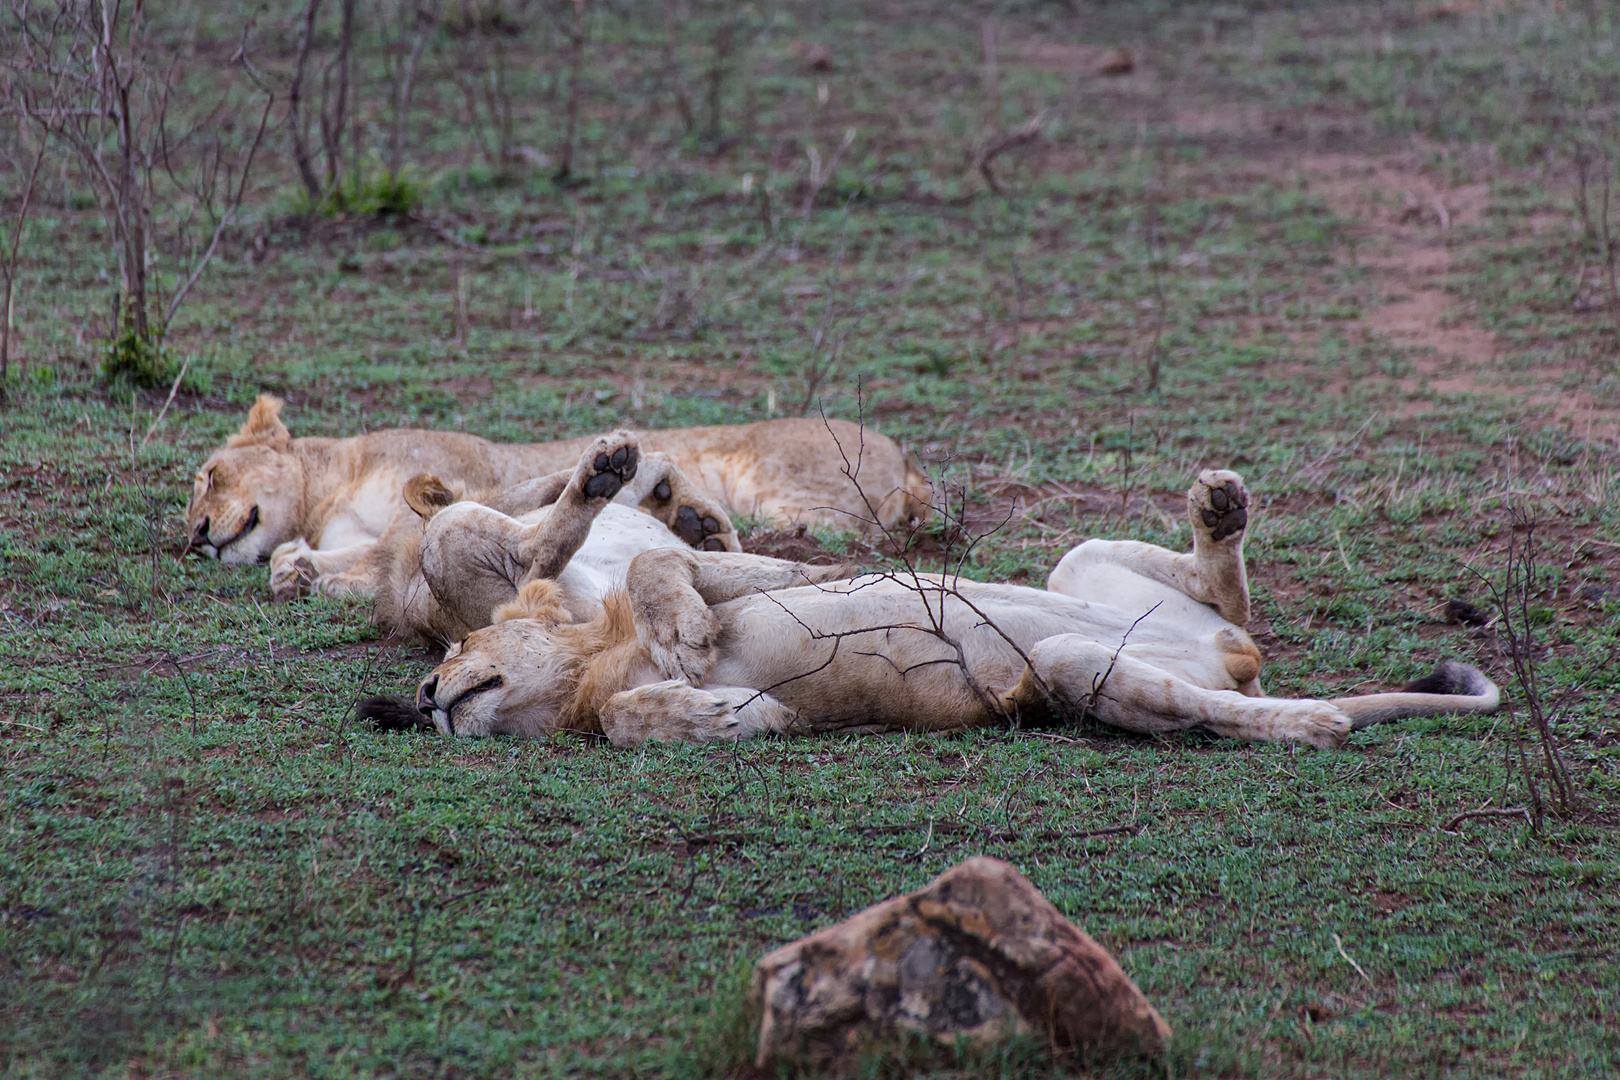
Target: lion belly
{"points": [[876, 651], [618, 534]]}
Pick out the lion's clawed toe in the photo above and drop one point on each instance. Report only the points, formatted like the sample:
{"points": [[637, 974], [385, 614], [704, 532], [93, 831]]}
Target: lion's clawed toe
{"points": [[609, 465], [1219, 503]]}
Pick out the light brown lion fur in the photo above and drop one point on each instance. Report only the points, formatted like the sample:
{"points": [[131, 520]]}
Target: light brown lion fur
{"points": [[706, 646], [265, 487]]}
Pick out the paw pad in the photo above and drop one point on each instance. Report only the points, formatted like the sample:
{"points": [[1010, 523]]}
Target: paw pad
{"points": [[613, 469], [697, 529], [1227, 514]]}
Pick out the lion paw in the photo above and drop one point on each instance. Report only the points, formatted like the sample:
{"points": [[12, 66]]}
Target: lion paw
{"points": [[608, 465], [705, 531], [292, 572], [1322, 726], [1218, 504]]}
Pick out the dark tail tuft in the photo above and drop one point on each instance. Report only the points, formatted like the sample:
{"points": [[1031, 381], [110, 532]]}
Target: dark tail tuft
{"points": [[1450, 678], [391, 714]]}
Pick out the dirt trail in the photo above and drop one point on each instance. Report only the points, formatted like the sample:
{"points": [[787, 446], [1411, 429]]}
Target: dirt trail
{"points": [[1409, 229], [1407, 233], [1406, 222]]}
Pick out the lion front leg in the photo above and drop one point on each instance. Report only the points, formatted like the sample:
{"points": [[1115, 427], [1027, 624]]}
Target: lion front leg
{"points": [[1083, 676], [296, 569], [677, 711], [670, 591], [607, 465], [1213, 574]]}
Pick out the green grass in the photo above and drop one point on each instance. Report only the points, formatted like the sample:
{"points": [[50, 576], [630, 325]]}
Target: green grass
{"points": [[207, 869]]}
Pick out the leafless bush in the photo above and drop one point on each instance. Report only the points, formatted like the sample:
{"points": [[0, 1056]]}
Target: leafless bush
{"points": [[1150, 227], [900, 564], [672, 70], [1590, 159], [417, 23], [576, 59], [481, 70], [25, 167], [169, 167], [1514, 594], [332, 111]]}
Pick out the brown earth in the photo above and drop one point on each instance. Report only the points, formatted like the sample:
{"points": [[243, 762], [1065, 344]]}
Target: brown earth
{"points": [[1411, 229]]}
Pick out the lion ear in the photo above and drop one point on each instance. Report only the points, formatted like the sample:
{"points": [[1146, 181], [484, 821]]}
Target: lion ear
{"points": [[540, 600], [264, 426], [427, 494]]}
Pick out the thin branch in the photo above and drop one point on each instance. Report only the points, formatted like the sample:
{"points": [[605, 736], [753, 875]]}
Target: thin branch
{"points": [[1505, 812]]}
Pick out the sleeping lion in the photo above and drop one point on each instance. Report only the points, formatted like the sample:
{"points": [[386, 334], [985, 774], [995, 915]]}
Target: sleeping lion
{"points": [[702, 646], [327, 501], [441, 570]]}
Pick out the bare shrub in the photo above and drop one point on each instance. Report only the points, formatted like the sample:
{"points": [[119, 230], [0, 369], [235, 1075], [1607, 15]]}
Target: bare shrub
{"points": [[1515, 595], [169, 165], [25, 166]]}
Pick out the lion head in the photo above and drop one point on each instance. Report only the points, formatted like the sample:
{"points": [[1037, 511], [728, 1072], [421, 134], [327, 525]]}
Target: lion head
{"points": [[249, 495], [532, 671]]}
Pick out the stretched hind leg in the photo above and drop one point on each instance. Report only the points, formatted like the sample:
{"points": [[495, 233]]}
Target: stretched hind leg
{"points": [[1213, 574], [1082, 676]]}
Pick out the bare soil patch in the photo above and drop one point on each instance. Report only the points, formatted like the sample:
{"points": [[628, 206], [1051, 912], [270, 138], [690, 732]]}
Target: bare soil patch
{"points": [[1409, 229]]}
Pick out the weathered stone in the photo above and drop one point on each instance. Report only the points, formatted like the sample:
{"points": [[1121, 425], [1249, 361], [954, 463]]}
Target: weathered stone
{"points": [[979, 953]]}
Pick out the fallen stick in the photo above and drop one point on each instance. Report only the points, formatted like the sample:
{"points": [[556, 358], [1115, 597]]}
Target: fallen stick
{"points": [[1511, 811]]}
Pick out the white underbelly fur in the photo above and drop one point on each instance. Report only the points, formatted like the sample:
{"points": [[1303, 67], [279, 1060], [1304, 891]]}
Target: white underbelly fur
{"points": [[618, 535]]}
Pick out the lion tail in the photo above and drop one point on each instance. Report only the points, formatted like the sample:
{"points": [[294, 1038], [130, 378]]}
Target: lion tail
{"points": [[1450, 688]]}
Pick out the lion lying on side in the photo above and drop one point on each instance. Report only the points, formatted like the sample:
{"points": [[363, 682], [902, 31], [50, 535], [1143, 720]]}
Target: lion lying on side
{"points": [[265, 489], [723, 646]]}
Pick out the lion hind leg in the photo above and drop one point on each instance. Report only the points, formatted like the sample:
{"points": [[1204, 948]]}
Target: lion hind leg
{"points": [[668, 494], [677, 711], [1127, 693], [1213, 574]]}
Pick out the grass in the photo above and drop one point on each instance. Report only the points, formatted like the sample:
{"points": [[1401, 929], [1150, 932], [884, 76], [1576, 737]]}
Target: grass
{"points": [[207, 869]]}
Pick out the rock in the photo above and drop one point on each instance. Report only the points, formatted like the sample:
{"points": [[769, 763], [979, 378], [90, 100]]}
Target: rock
{"points": [[979, 953]]}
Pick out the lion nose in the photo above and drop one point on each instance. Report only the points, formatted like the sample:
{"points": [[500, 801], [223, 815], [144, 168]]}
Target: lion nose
{"points": [[424, 695], [199, 537]]}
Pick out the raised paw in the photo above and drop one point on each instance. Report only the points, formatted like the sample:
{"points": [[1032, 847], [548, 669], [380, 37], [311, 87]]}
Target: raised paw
{"points": [[703, 531], [1218, 502], [608, 465]]}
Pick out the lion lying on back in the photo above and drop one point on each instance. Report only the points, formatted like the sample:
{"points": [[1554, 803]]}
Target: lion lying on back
{"points": [[265, 489], [704, 646], [442, 569]]}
